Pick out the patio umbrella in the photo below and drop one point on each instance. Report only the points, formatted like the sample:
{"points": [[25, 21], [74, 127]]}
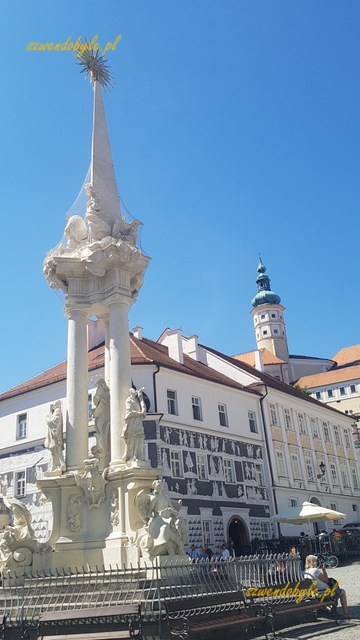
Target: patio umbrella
{"points": [[307, 512]]}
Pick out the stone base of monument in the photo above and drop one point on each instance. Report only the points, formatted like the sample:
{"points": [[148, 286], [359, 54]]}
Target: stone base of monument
{"points": [[95, 520]]}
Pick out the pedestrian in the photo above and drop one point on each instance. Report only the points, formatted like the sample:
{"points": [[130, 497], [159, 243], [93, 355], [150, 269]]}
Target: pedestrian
{"points": [[209, 552]]}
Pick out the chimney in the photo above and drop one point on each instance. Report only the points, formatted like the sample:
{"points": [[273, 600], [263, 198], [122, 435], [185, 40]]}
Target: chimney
{"points": [[191, 348], [258, 360], [172, 339], [137, 331]]}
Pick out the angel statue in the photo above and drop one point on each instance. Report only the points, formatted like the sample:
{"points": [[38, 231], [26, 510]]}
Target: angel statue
{"points": [[17, 541], [163, 533], [133, 433], [54, 439]]}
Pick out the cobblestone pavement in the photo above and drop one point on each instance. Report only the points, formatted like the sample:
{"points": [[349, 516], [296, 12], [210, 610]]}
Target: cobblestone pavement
{"points": [[348, 576]]}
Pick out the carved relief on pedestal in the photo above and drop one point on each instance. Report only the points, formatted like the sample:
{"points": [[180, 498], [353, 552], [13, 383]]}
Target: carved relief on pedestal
{"points": [[114, 513], [73, 513], [92, 481]]}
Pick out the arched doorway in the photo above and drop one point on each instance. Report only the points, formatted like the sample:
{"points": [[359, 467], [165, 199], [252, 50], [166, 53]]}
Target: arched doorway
{"points": [[238, 535], [318, 526]]}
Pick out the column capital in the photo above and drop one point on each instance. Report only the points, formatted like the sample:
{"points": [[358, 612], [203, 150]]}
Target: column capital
{"points": [[73, 310]]}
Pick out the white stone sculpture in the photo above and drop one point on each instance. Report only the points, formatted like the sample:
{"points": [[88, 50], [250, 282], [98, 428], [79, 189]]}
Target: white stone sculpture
{"points": [[54, 438], [73, 513], [163, 533], [101, 413], [76, 232], [133, 433], [17, 541], [98, 227], [92, 481], [114, 517]]}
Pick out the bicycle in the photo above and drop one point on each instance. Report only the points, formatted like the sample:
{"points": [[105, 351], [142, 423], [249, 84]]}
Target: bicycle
{"points": [[328, 560]]}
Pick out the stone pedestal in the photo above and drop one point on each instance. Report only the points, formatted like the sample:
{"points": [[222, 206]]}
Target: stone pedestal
{"points": [[95, 521]]}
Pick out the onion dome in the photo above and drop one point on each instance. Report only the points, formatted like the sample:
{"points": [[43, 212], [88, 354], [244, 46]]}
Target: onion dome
{"points": [[264, 294]]}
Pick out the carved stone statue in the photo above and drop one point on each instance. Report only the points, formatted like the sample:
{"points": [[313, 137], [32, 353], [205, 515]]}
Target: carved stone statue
{"points": [[163, 532], [54, 439], [98, 227], [92, 481], [134, 431], [17, 541], [75, 231], [101, 413], [127, 231]]}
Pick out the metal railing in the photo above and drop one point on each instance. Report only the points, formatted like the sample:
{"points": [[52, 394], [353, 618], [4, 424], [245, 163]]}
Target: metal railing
{"points": [[23, 597]]}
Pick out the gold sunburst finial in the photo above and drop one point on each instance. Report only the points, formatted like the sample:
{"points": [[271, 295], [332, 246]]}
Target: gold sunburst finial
{"points": [[94, 66]]}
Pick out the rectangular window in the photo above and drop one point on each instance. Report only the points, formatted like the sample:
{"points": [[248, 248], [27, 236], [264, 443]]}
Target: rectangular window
{"points": [[334, 475], [288, 422], [342, 391], [262, 316], [318, 395], [355, 479], [265, 332], [20, 484], [347, 439], [228, 470], [202, 468], [330, 393], [252, 422], [222, 415], [273, 415], [280, 463], [196, 408], [354, 507], [302, 425], [293, 502], [171, 398], [259, 475], [207, 533], [326, 432], [21, 426], [175, 464], [90, 408], [352, 388], [309, 469], [264, 528], [337, 435], [314, 428], [295, 466]]}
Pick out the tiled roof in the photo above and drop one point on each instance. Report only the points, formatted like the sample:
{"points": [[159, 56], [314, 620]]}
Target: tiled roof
{"points": [[347, 355], [266, 355], [343, 374], [142, 352], [273, 383]]}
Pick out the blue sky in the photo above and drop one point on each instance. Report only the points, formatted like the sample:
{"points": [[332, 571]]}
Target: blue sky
{"points": [[235, 130]]}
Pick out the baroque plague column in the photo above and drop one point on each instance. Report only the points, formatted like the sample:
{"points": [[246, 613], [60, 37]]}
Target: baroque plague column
{"points": [[100, 270]]}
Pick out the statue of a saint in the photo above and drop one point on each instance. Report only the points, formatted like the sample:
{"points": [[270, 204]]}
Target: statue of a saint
{"points": [[17, 541], [98, 227], [163, 533], [134, 431], [101, 413], [54, 439]]}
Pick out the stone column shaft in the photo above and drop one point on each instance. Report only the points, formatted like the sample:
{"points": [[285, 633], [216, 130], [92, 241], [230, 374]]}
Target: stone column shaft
{"points": [[77, 389], [120, 374], [105, 322]]}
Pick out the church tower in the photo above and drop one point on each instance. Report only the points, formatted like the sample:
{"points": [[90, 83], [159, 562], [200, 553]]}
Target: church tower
{"points": [[269, 324]]}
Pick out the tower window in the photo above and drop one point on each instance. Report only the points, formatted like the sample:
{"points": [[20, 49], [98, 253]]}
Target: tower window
{"points": [[276, 331], [273, 315], [262, 316], [265, 332]]}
